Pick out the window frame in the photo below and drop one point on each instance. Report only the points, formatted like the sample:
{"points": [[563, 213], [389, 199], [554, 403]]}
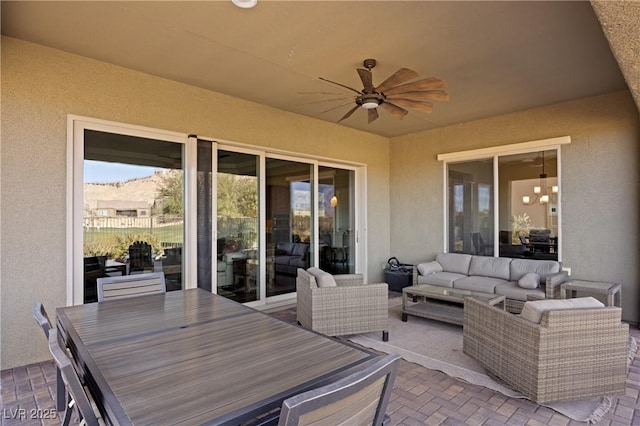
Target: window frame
{"points": [[494, 153]]}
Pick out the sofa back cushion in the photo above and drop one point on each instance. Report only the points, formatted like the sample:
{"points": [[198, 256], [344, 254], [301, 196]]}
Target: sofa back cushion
{"points": [[300, 249], [521, 267], [284, 248], [454, 262], [494, 267]]}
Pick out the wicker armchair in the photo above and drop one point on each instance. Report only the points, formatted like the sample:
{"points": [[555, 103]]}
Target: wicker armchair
{"points": [[571, 354], [351, 307]]}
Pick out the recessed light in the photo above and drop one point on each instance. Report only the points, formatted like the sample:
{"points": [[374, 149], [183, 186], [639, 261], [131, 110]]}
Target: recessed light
{"points": [[245, 4]]}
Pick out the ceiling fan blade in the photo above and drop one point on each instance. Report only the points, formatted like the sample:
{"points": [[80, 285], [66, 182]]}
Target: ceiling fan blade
{"points": [[365, 76], [341, 85], [336, 107], [348, 114], [427, 95], [321, 93], [372, 114], [395, 110], [416, 86], [418, 105], [398, 77]]}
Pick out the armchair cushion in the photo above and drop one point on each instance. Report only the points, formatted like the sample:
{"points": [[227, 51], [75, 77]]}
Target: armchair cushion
{"points": [[323, 278], [530, 280], [533, 310]]}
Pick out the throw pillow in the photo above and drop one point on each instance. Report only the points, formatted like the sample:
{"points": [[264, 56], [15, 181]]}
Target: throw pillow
{"points": [[429, 268], [323, 278], [530, 280]]}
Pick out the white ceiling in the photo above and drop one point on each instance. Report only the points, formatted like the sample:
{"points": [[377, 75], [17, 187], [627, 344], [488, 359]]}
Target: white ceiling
{"points": [[497, 57]]}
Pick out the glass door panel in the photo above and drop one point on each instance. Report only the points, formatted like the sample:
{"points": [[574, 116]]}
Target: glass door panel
{"points": [[529, 208], [237, 251], [289, 223], [471, 227], [336, 219], [133, 219]]}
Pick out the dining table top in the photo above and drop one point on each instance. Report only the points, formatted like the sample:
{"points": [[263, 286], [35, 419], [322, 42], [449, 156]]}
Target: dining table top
{"points": [[192, 357]]}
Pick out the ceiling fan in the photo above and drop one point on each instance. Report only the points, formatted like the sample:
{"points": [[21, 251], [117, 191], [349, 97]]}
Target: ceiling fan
{"points": [[394, 94]]}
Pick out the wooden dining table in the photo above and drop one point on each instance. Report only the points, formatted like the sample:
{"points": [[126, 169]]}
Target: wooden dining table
{"points": [[191, 357]]}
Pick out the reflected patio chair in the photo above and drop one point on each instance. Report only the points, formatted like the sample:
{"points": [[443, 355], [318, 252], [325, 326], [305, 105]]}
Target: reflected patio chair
{"points": [[78, 395], [358, 399], [112, 288], [140, 257], [40, 314]]}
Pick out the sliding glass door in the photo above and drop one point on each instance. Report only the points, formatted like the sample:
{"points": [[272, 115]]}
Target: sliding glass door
{"points": [[132, 209], [289, 227], [336, 219], [227, 218]]}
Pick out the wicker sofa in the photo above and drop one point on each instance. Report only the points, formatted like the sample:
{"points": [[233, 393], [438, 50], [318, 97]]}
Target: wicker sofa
{"points": [[573, 353], [498, 275], [343, 307]]}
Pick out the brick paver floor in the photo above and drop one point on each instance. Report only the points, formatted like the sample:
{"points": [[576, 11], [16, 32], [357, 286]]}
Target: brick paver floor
{"points": [[420, 397]]}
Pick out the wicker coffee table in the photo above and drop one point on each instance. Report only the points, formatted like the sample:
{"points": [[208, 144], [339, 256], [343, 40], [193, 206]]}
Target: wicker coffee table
{"points": [[441, 303]]}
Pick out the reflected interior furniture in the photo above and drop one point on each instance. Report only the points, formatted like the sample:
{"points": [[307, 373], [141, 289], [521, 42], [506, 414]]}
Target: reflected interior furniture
{"points": [[349, 307], [612, 291], [140, 257], [172, 268], [238, 362], [479, 246], [94, 267], [42, 318], [113, 288], [340, 254], [359, 399], [442, 303], [78, 396], [571, 354]]}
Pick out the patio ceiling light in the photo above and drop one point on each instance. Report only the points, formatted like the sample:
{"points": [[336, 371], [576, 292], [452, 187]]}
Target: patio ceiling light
{"points": [[245, 4]]}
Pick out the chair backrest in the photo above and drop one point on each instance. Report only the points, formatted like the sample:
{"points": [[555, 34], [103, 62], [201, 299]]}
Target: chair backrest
{"points": [[111, 288], [71, 380], [360, 398], [40, 314], [140, 256]]}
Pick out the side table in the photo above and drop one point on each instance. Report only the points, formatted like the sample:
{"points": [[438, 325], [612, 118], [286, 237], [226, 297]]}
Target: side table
{"points": [[612, 290]]}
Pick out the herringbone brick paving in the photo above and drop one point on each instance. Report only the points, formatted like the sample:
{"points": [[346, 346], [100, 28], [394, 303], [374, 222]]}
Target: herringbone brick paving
{"points": [[420, 397]]}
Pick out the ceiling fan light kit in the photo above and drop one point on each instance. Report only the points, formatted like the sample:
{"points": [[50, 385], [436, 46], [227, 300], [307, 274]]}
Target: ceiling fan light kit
{"points": [[395, 93]]}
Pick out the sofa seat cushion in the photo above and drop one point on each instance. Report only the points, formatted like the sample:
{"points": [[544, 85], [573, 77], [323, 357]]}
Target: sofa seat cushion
{"points": [[298, 262], [454, 262], [533, 310], [520, 267], [284, 259], [513, 291], [486, 266], [442, 279], [481, 284]]}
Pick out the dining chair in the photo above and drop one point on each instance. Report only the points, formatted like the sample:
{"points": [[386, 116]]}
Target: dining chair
{"points": [[360, 398], [79, 397], [112, 288], [40, 314]]}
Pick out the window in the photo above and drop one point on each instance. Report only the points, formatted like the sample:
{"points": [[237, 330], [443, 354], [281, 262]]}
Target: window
{"points": [[505, 201]]}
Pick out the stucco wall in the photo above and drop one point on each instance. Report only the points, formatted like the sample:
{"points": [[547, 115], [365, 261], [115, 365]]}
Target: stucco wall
{"points": [[600, 185], [40, 86]]}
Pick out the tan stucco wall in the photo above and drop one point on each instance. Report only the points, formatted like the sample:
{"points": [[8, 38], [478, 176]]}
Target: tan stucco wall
{"points": [[600, 185], [40, 86]]}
